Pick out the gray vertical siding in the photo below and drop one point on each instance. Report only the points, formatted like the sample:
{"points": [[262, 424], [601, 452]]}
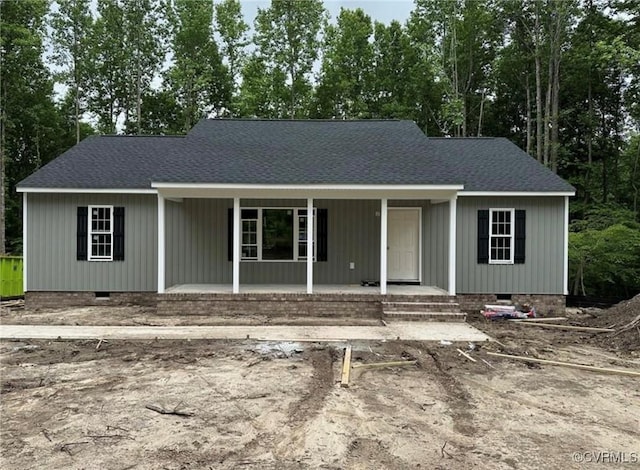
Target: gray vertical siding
{"points": [[436, 245], [542, 272], [51, 245], [197, 241]]}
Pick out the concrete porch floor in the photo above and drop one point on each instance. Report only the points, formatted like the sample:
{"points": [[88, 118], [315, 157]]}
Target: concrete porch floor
{"points": [[302, 289]]}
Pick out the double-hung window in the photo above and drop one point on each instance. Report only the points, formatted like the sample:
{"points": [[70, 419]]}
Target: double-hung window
{"points": [[275, 234], [100, 233], [501, 236]]}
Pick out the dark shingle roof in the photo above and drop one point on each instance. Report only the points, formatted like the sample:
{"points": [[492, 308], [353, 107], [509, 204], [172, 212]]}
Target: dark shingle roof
{"points": [[298, 152], [122, 162]]}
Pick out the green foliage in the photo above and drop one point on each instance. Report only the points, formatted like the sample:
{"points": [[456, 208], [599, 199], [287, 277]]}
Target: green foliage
{"points": [[345, 84], [605, 262], [197, 79], [288, 41], [604, 252], [233, 34]]}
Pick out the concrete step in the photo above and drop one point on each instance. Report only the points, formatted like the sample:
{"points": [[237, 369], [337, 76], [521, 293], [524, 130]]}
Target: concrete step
{"points": [[420, 307], [426, 316]]}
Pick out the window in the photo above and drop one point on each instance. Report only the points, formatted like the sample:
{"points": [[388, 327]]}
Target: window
{"points": [[275, 234], [501, 236], [100, 233]]}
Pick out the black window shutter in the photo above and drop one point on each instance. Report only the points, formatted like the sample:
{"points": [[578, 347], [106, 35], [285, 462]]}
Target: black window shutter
{"points": [[521, 231], [118, 233], [81, 233], [483, 236], [230, 234], [321, 220]]}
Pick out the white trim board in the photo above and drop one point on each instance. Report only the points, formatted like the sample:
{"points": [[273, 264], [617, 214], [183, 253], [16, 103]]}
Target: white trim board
{"points": [[516, 193]]}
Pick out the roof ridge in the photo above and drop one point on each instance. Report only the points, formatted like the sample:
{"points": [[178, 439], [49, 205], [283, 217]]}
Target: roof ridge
{"points": [[139, 136], [304, 120]]}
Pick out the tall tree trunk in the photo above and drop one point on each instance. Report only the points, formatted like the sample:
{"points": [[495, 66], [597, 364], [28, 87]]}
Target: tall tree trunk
{"points": [[77, 100], [555, 92], [547, 114], [538, 61], [528, 115], [480, 116], [138, 101]]}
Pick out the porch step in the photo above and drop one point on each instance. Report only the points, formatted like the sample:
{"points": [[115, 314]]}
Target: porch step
{"points": [[420, 307], [432, 310], [426, 316]]}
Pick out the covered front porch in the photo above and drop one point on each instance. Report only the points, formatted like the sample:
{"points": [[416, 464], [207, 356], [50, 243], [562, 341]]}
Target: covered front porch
{"points": [[363, 241]]}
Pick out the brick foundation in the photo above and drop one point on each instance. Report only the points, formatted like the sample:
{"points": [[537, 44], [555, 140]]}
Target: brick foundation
{"points": [[37, 299], [545, 304], [277, 305]]}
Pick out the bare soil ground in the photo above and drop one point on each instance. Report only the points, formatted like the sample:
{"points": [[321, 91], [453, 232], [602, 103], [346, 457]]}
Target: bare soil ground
{"points": [[66, 404]]}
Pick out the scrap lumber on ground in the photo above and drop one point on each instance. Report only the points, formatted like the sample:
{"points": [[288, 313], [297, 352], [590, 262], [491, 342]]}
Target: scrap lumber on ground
{"points": [[569, 327], [377, 365], [538, 320], [605, 370]]}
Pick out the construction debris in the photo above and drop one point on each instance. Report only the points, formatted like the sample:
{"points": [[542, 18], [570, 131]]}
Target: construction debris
{"points": [[569, 327], [465, 355], [378, 365], [537, 320], [176, 411], [568, 364], [509, 312]]}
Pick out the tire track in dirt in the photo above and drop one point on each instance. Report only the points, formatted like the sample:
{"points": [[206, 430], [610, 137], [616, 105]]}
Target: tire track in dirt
{"points": [[459, 399], [300, 413]]}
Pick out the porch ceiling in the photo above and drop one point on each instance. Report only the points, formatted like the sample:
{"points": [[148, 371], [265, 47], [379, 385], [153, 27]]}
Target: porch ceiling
{"points": [[178, 190]]}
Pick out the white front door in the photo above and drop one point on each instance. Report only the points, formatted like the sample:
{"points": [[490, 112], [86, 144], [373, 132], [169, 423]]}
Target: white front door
{"points": [[403, 244]]}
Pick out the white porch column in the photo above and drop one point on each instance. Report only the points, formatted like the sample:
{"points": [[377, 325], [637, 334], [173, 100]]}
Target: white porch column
{"points": [[310, 243], [24, 242], [383, 246], [452, 244], [161, 244], [565, 274], [236, 245]]}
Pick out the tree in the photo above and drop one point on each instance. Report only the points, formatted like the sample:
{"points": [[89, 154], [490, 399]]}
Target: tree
{"points": [[127, 52], [345, 81], [288, 38], [233, 33], [71, 24], [31, 131], [108, 66], [197, 77]]}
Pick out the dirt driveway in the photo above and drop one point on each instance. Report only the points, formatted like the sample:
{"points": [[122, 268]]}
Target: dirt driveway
{"points": [[66, 404]]}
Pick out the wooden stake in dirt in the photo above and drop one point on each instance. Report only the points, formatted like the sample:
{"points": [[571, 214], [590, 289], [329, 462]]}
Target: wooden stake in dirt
{"points": [[465, 355], [569, 327], [346, 367], [175, 411], [572, 365], [377, 365]]}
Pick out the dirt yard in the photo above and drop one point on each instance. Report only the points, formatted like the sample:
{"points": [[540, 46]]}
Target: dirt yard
{"points": [[68, 405]]}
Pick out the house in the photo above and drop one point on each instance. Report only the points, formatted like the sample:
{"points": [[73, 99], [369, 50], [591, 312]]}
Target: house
{"points": [[220, 220]]}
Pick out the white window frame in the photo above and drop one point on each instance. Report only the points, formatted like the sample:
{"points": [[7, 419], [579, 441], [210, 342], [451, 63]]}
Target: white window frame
{"points": [[511, 236], [296, 234], [91, 233]]}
